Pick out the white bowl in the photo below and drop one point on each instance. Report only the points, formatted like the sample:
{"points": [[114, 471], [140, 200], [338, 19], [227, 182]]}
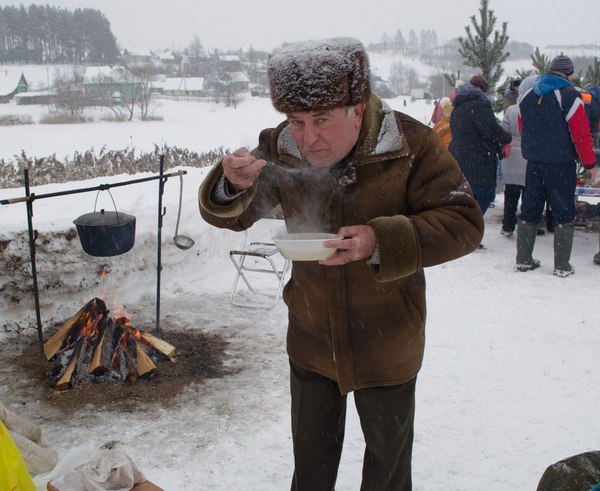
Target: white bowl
{"points": [[304, 246]]}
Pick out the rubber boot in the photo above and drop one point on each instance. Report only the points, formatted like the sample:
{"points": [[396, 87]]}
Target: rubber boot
{"points": [[526, 234], [563, 243]]}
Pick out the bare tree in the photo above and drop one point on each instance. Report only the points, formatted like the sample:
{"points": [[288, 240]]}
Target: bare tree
{"points": [[140, 75], [110, 95], [69, 91]]}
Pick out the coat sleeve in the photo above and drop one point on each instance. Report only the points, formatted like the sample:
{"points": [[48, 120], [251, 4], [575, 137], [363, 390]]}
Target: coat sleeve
{"points": [[445, 222], [579, 127], [490, 128], [255, 203]]}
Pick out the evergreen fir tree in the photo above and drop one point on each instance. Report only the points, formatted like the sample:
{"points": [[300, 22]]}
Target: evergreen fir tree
{"points": [[479, 51], [540, 62], [592, 75]]}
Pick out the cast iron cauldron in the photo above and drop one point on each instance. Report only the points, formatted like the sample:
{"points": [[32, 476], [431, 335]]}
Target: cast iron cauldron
{"points": [[106, 233]]}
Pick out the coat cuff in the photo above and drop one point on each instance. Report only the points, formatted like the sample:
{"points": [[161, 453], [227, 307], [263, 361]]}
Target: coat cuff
{"points": [[232, 209], [399, 252]]}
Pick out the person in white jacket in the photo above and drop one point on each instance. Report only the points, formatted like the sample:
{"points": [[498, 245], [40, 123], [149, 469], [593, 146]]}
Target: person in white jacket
{"points": [[513, 166]]}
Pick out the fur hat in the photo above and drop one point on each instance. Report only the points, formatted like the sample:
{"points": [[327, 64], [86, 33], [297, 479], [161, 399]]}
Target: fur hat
{"points": [[480, 82], [316, 75], [562, 64]]}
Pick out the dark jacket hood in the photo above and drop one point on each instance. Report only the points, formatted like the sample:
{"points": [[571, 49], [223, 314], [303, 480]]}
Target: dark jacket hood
{"points": [[468, 92]]}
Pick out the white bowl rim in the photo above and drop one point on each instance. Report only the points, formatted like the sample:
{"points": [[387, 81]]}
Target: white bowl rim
{"points": [[306, 237]]}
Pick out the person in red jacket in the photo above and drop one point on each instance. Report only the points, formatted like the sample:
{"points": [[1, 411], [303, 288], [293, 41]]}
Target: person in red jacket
{"points": [[555, 136]]}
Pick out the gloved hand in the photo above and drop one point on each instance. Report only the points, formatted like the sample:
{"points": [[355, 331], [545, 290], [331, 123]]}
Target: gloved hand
{"points": [[592, 175]]}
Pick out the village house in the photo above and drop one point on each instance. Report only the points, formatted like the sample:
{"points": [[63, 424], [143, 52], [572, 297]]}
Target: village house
{"points": [[103, 83], [236, 81], [230, 63], [38, 97], [11, 83], [136, 55], [184, 87]]}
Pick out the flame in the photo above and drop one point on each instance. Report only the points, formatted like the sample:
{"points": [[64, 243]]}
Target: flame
{"points": [[91, 320], [123, 322]]}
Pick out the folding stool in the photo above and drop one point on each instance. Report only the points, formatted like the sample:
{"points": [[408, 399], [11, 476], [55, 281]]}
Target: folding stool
{"points": [[252, 259]]}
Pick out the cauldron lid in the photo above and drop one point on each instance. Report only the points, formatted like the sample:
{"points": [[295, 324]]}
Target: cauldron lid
{"points": [[104, 219]]}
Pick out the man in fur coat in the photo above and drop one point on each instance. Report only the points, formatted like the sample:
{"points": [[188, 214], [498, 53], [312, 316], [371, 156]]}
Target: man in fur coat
{"points": [[343, 162]]}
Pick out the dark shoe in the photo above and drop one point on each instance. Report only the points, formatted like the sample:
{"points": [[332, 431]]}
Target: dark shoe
{"points": [[523, 267], [597, 259], [481, 246], [563, 273], [541, 231], [506, 233]]}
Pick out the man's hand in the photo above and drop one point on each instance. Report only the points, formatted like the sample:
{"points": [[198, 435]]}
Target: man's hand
{"points": [[358, 243], [592, 175], [241, 168]]}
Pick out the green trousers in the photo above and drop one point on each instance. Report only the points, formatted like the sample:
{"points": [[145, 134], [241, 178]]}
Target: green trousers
{"points": [[318, 423]]}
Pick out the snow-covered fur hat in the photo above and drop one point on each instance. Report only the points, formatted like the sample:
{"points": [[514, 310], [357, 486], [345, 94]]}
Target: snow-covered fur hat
{"points": [[318, 75]]}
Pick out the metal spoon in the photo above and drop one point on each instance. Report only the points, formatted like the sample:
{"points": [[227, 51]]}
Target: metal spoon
{"points": [[182, 242], [289, 170]]}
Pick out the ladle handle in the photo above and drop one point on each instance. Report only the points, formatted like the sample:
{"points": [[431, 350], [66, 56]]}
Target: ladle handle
{"points": [[180, 200]]}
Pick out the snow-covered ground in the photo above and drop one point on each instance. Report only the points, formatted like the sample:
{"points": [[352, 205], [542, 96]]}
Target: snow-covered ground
{"points": [[510, 382]]}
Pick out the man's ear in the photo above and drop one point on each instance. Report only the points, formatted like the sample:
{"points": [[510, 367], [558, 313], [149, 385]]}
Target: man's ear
{"points": [[359, 111]]}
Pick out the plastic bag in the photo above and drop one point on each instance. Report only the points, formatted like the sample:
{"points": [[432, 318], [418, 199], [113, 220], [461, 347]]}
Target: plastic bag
{"points": [[14, 475], [108, 469]]}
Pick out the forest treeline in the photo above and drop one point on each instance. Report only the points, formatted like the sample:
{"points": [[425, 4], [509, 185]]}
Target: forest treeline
{"points": [[45, 34]]}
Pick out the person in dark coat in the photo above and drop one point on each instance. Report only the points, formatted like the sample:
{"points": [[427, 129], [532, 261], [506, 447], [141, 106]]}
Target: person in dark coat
{"points": [[344, 162], [555, 135], [477, 139], [592, 110]]}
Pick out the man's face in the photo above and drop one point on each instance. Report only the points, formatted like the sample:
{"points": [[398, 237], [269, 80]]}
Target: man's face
{"points": [[326, 137]]}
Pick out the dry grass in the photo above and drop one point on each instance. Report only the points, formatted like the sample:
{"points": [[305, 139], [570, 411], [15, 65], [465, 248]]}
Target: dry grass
{"points": [[15, 119]]}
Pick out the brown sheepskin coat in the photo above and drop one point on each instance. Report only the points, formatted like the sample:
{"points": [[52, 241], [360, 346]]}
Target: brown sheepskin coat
{"points": [[359, 324]]}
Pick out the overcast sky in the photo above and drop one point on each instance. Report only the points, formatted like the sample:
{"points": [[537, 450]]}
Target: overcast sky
{"points": [[265, 24]]}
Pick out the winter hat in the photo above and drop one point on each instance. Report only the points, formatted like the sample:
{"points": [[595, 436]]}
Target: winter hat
{"points": [[514, 83], [562, 64], [317, 75], [480, 82]]}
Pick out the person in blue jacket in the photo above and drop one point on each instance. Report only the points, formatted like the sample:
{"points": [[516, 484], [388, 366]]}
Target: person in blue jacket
{"points": [[555, 136]]}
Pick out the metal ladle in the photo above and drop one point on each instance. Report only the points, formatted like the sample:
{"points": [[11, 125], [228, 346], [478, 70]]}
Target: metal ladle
{"points": [[182, 242]]}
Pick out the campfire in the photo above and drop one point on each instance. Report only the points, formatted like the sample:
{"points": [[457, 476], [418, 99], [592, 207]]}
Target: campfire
{"points": [[92, 345]]}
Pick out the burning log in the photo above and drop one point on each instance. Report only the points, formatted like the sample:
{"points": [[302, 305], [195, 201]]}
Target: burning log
{"points": [[93, 309], [65, 381], [93, 345], [159, 344], [145, 363]]}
